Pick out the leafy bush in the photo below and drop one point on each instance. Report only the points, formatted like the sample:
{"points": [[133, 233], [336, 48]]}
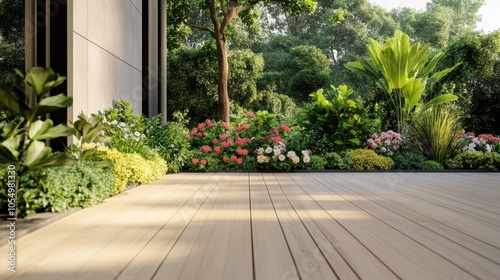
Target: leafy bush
{"points": [[369, 160], [431, 165], [170, 140], [408, 161], [483, 142], [475, 160], [386, 143], [60, 188], [341, 161], [131, 167], [338, 118], [316, 163]]}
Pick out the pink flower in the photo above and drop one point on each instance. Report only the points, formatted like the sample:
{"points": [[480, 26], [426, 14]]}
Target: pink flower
{"points": [[199, 134], [215, 141], [284, 127], [239, 161], [218, 150], [276, 139], [378, 140], [194, 161], [224, 159], [250, 115], [201, 127], [209, 123], [383, 150], [233, 158], [203, 162], [275, 132], [206, 149], [242, 127], [224, 125], [193, 131], [223, 137]]}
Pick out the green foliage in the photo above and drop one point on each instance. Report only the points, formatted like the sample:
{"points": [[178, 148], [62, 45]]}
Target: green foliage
{"points": [[431, 165], [91, 130], [464, 13], [402, 71], [170, 140], [369, 160], [316, 163], [268, 100], [337, 117], [435, 133], [475, 160], [23, 141], [56, 189], [408, 161], [342, 161]]}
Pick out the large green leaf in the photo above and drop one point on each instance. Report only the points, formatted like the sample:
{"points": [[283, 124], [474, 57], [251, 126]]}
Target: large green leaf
{"points": [[12, 100], [438, 100], [42, 80], [39, 127], [11, 145], [60, 130], [50, 104], [36, 152], [51, 160], [412, 92]]}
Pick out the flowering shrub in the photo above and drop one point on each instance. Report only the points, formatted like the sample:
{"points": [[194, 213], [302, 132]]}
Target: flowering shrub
{"points": [[237, 145], [483, 142], [387, 143]]}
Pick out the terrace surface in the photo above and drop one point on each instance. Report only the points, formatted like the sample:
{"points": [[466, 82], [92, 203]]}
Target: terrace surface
{"points": [[277, 226]]}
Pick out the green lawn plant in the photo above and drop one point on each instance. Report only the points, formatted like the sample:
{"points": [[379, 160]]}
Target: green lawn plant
{"points": [[23, 142], [403, 71]]}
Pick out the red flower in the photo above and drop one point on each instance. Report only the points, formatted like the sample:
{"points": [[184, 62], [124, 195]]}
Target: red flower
{"points": [[203, 162], [224, 159], [284, 127], [267, 138], [276, 139], [201, 127], [250, 115], [209, 123], [233, 158], [242, 127], [223, 137], [244, 152], [224, 125], [225, 144], [194, 161], [199, 134], [218, 150], [239, 161], [215, 141], [193, 131], [275, 132], [206, 149]]}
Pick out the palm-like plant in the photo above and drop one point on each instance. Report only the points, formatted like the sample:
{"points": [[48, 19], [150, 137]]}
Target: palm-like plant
{"points": [[403, 71]]}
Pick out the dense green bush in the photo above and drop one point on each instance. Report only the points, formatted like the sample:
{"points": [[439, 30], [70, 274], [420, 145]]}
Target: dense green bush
{"points": [[369, 160], [341, 161], [55, 189], [475, 160], [431, 165], [408, 160], [337, 117], [170, 140]]}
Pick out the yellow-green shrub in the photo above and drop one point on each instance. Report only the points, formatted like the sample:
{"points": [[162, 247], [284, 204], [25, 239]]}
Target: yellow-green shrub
{"points": [[368, 160], [131, 167]]}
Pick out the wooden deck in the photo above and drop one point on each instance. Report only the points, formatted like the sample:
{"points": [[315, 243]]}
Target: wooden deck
{"points": [[277, 226]]}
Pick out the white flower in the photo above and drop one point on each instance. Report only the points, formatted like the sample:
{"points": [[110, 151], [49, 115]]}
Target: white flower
{"points": [[114, 122], [472, 146], [143, 136], [122, 124], [291, 154], [137, 134], [269, 150], [296, 159], [277, 152], [306, 153], [260, 151], [281, 157], [262, 159], [306, 159], [488, 148]]}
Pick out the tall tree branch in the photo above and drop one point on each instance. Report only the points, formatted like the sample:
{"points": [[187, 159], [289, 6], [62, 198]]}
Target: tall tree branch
{"points": [[244, 8], [200, 27], [223, 6]]}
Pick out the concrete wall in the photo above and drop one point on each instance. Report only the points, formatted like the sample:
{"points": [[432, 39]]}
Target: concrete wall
{"points": [[104, 53]]}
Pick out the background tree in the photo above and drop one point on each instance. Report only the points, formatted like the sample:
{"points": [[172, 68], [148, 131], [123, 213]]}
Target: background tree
{"points": [[221, 14], [465, 14], [11, 37]]}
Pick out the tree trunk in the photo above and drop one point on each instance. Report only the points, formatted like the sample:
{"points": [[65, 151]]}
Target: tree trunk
{"points": [[223, 64]]}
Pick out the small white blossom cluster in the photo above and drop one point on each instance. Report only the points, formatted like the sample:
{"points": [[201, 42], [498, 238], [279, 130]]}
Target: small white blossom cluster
{"points": [[127, 132], [279, 153], [477, 142]]}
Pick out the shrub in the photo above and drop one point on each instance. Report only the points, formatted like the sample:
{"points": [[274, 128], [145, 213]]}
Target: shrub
{"points": [[338, 117], [386, 143], [475, 160], [132, 168], [408, 161], [338, 161], [369, 160], [316, 163], [483, 142], [60, 188], [431, 165]]}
